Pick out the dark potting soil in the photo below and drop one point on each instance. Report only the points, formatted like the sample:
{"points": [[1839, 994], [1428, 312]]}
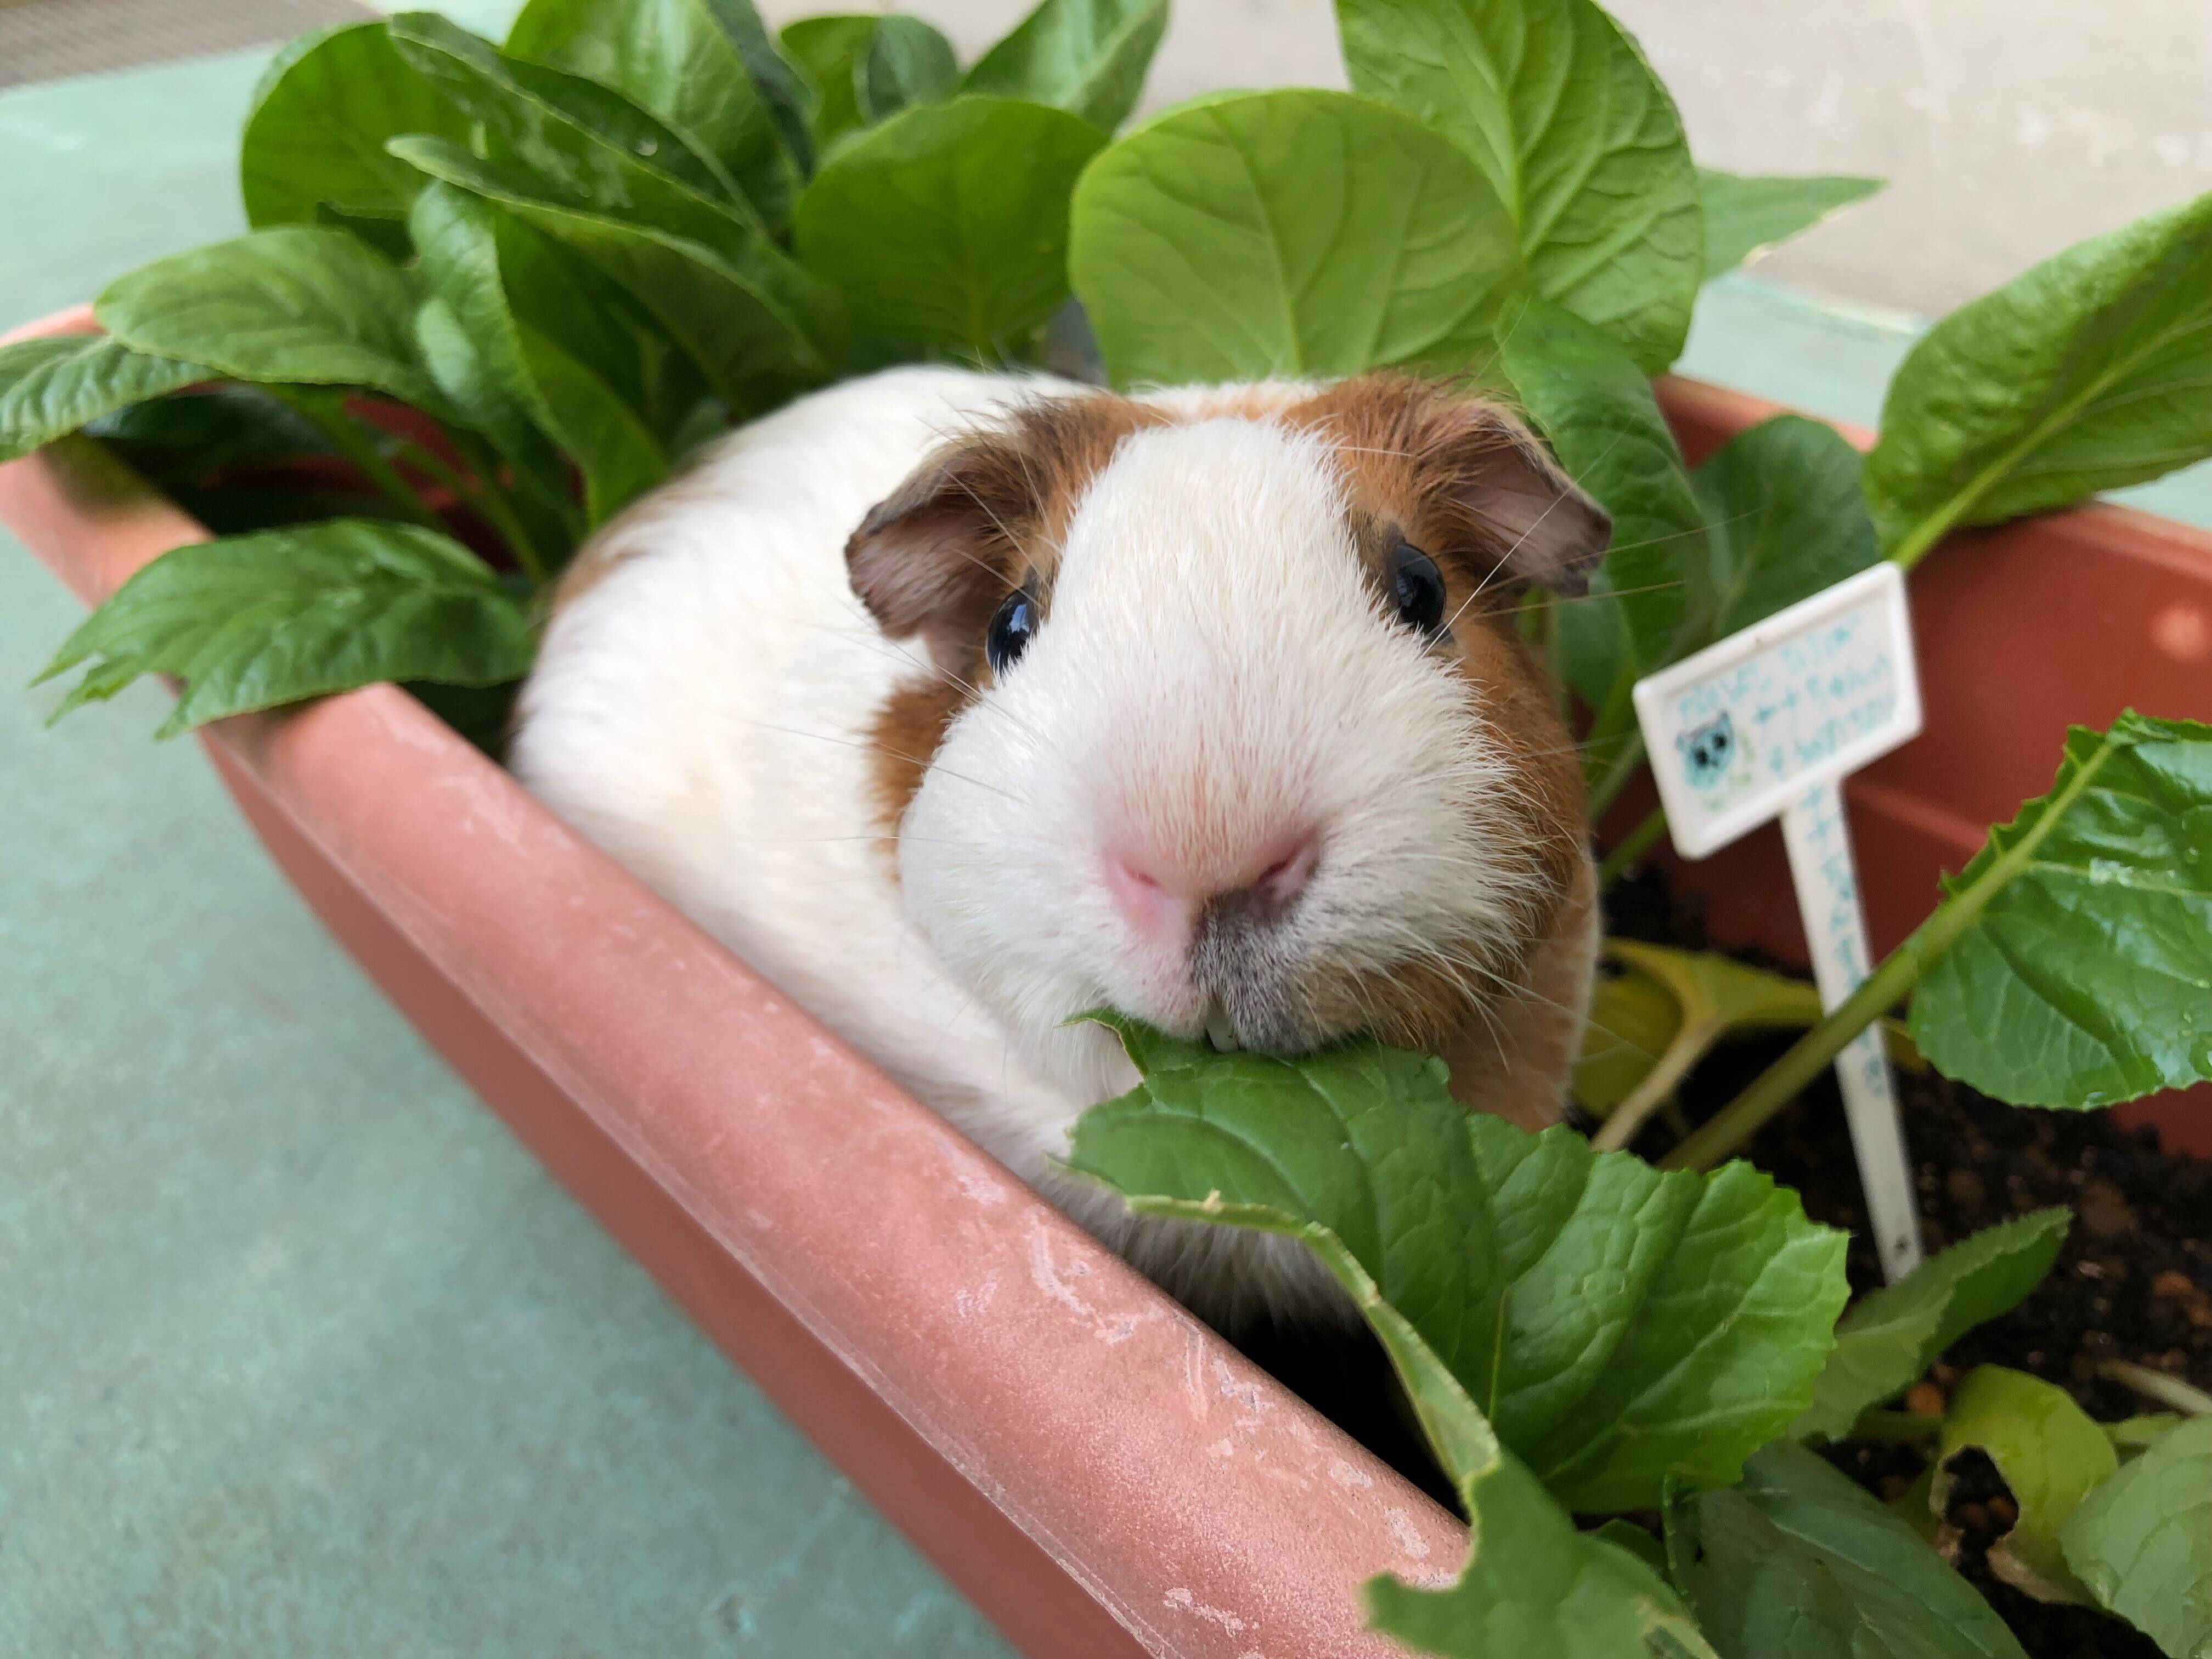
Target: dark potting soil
{"points": [[2134, 1281]]}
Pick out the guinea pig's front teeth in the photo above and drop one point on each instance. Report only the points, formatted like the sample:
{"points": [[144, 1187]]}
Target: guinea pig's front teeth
{"points": [[1219, 1032]]}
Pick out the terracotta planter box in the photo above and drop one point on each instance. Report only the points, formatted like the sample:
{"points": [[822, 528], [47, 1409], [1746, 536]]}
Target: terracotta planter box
{"points": [[1090, 1466]]}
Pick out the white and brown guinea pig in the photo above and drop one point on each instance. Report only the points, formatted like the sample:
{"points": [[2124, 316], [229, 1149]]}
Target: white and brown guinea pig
{"points": [[959, 704]]}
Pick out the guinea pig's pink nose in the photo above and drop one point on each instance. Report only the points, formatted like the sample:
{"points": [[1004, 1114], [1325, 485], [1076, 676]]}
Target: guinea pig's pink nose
{"points": [[1157, 896]]}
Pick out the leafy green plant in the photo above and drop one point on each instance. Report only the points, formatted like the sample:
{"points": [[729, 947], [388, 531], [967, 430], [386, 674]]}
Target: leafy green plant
{"points": [[503, 287]]}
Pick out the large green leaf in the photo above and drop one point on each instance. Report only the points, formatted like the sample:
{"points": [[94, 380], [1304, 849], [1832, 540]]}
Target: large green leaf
{"points": [[755, 342], [325, 109], [256, 621], [1747, 214], [2080, 968], [1086, 57], [506, 379], [907, 62], [2142, 1541], [1555, 103], [1618, 1326], [1534, 1586], [2051, 1457], [1889, 1339], [1292, 233], [1801, 1563], [2087, 372], [53, 385], [581, 142], [831, 50], [932, 236], [1784, 518], [677, 59], [292, 306], [1595, 406]]}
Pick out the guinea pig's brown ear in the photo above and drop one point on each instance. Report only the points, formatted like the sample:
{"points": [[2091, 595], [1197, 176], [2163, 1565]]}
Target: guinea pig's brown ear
{"points": [[1517, 498], [935, 556]]}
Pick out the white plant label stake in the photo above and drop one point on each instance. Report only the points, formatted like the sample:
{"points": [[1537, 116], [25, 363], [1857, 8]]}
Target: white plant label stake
{"points": [[1768, 723]]}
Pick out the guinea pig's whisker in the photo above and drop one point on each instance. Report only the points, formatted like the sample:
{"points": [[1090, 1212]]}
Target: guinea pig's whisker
{"points": [[879, 749]]}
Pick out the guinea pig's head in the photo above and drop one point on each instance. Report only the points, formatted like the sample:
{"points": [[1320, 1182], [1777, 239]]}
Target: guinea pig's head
{"points": [[1227, 722]]}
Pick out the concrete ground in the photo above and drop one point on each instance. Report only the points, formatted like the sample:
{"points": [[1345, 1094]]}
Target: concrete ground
{"points": [[299, 1353]]}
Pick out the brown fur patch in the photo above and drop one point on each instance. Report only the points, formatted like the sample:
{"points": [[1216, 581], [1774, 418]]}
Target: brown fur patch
{"points": [[984, 514]]}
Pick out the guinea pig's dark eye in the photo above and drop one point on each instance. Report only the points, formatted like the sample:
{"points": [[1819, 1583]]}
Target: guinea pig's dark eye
{"points": [[1417, 587], [1008, 635]]}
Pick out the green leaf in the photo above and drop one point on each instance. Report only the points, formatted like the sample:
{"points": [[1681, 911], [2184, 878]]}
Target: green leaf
{"points": [[2051, 1456], [1890, 1337], [1785, 519], [2087, 372], [1595, 407], [219, 429], [831, 51], [1086, 57], [1534, 1586], [1292, 233], [552, 127], [907, 62], [325, 109], [56, 383], [2080, 968], [757, 334], [2142, 1541], [504, 378], [1618, 1326], [256, 621], [292, 306], [1633, 1019], [677, 59], [932, 236], [1801, 1563], [1557, 106], [1747, 214]]}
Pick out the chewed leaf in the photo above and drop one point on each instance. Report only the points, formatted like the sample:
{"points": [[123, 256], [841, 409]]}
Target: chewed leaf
{"points": [[1745, 215], [253, 622], [320, 118], [2087, 372], [2084, 974], [1616, 1325], [1295, 233], [1890, 1337], [2142, 1541], [51, 385], [1556, 105], [2050, 1454], [1801, 1563]]}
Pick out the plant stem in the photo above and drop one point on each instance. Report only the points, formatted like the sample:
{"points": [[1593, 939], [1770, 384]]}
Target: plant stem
{"points": [[1691, 1045], [491, 501], [1779, 1084], [1616, 775], [329, 417], [1895, 1428], [2157, 1385], [1633, 845]]}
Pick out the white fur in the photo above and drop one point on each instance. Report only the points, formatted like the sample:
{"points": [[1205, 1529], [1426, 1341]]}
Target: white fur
{"points": [[1212, 669]]}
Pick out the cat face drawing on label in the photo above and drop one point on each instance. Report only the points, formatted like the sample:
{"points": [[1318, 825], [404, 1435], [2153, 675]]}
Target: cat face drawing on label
{"points": [[1709, 750]]}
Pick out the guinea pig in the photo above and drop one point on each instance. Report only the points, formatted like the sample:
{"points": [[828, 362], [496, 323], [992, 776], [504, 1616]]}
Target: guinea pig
{"points": [[959, 704]]}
